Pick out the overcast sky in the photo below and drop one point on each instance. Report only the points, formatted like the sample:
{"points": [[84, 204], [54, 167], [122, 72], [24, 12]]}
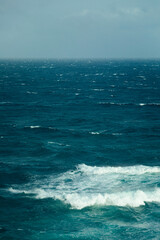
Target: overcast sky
{"points": [[79, 28]]}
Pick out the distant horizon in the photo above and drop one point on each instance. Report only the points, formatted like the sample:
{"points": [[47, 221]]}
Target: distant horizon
{"points": [[80, 59]]}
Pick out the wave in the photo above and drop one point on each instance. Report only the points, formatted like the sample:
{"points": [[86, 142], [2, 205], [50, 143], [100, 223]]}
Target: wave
{"points": [[34, 126], [88, 186], [105, 133], [5, 103], [149, 104], [11, 103], [69, 131], [98, 89], [131, 198], [40, 127], [128, 104], [32, 92], [59, 144], [94, 133], [82, 200], [131, 170]]}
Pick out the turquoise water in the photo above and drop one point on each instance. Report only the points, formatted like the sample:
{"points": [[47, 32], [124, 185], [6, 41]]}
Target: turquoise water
{"points": [[80, 155]]}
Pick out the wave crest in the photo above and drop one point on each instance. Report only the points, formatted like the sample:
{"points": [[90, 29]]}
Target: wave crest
{"points": [[131, 170], [101, 186]]}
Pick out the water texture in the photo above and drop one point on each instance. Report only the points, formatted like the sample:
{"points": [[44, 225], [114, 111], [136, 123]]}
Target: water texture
{"points": [[80, 149]]}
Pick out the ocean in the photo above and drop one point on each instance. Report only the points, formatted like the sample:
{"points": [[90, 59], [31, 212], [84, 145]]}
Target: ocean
{"points": [[80, 149]]}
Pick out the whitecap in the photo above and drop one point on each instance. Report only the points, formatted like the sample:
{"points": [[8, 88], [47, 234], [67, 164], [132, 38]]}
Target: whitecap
{"points": [[131, 198], [117, 134], [142, 104], [98, 89], [34, 126], [141, 76], [59, 144], [130, 170], [88, 186], [149, 104], [12, 190], [94, 133]]}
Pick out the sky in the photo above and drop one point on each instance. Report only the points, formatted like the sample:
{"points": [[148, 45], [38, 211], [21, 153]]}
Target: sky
{"points": [[79, 29]]}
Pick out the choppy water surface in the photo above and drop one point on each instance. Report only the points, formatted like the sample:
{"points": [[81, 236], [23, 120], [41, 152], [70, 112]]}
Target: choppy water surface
{"points": [[80, 155]]}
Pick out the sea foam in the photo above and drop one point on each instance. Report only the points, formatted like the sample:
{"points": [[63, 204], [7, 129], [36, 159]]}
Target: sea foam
{"points": [[131, 170], [88, 186]]}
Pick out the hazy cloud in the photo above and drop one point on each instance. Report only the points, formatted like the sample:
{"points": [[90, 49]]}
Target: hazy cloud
{"points": [[73, 28]]}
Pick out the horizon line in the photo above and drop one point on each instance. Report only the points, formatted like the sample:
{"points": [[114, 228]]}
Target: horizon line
{"points": [[79, 58]]}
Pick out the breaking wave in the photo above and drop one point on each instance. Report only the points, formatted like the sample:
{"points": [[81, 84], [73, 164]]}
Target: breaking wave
{"points": [[131, 170], [88, 186]]}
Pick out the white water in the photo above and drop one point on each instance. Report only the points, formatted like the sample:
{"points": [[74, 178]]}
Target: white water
{"points": [[99, 186], [132, 170]]}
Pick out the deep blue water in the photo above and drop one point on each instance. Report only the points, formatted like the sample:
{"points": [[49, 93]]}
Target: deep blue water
{"points": [[80, 149]]}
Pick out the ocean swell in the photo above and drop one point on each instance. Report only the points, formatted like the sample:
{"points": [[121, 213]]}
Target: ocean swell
{"points": [[88, 186]]}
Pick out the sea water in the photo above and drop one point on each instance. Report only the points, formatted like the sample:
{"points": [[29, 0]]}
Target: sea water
{"points": [[80, 149]]}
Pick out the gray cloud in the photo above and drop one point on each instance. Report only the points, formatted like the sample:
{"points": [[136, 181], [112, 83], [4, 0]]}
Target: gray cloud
{"points": [[74, 28]]}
